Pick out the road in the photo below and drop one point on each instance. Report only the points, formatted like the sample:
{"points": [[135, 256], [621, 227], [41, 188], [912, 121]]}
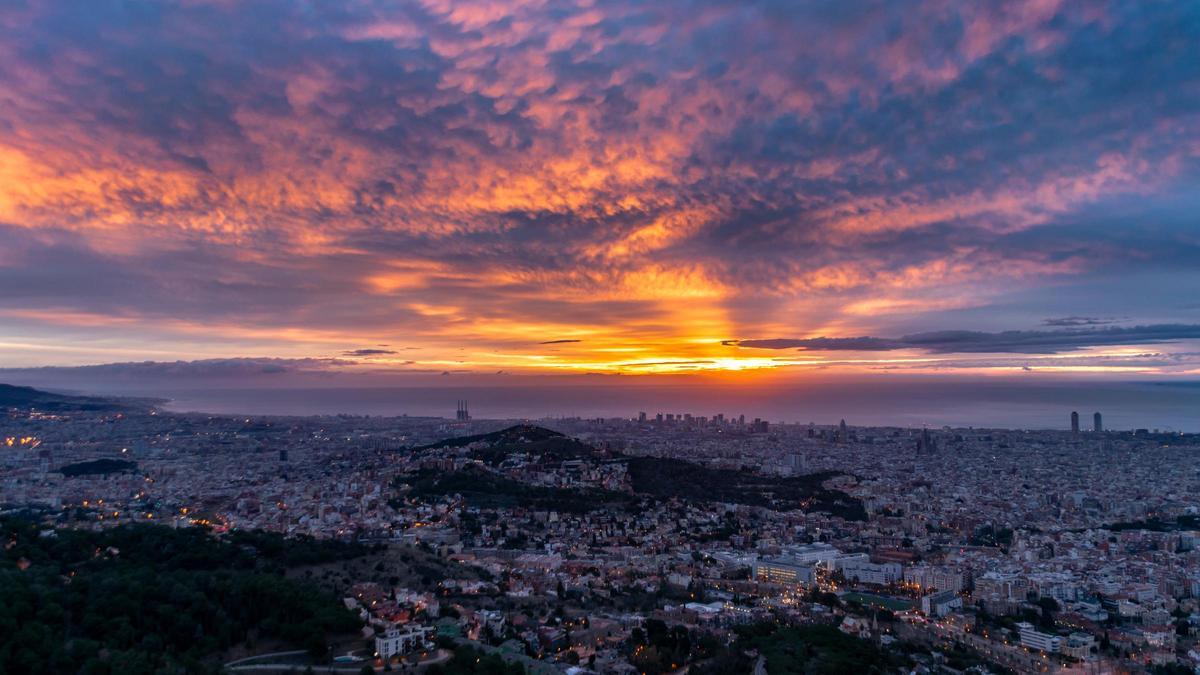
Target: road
{"points": [[288, 662]]}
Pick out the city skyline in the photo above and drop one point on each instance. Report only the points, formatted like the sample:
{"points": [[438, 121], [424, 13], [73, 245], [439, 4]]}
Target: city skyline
{"points": [[757, 192]]}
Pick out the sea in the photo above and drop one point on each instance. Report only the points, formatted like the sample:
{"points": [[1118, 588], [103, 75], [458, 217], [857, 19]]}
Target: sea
{"points": [[1166, 406]]}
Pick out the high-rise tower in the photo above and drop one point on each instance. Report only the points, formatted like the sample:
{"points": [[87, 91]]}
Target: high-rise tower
{"points": [[1074, 423], [927, 443], [1097, 423]]}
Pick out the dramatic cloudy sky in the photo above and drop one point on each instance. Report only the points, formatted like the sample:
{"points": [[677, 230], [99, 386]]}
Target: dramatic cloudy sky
{"points": [[617, 186]]}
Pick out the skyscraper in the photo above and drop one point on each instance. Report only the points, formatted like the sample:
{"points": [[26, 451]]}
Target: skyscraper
{"points": [[842, 435], [926, 443], [1097, 423], [1074, 423], [795, 464]]}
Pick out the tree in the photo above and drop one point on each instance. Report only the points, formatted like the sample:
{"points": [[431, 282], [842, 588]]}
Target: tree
{"points": [[1048, 606], [166, 602]]}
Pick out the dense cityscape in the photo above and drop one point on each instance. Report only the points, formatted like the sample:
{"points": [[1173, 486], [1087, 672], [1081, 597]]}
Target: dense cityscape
{"points": [[660, 542]]}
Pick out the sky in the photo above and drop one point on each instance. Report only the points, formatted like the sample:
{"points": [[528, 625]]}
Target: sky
{"points": [[744, 189]]}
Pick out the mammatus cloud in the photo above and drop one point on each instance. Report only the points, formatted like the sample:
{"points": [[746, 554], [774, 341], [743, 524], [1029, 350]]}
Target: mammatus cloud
{"points": [[194, 180], [968, 342]]}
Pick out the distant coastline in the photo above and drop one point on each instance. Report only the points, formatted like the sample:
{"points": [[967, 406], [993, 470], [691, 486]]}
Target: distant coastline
{"points": [[1125, 406]]}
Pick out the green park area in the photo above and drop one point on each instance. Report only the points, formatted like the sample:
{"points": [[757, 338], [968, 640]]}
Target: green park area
{"points": [[893, 604]]}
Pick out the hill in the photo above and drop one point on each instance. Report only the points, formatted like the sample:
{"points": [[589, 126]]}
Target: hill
{"points": [[12, 396], [658, 477], [514, 435], [675, 478], [484, 489], [494, 447]]}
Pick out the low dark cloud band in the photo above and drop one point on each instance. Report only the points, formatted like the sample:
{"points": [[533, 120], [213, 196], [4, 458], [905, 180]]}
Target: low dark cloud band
{"points": [[976, 342]]}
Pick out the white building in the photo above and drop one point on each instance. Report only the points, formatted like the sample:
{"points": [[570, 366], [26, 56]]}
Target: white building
{"points": [[783, 571], [401, 641], [1079, 645], [812, 554], [927, 577], [1001, 586], [494, 620], [680, 580], [1035, 639], [860, 569]]}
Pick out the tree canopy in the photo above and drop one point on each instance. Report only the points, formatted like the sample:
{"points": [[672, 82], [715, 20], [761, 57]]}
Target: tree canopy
{"points": [[152, 599]]}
